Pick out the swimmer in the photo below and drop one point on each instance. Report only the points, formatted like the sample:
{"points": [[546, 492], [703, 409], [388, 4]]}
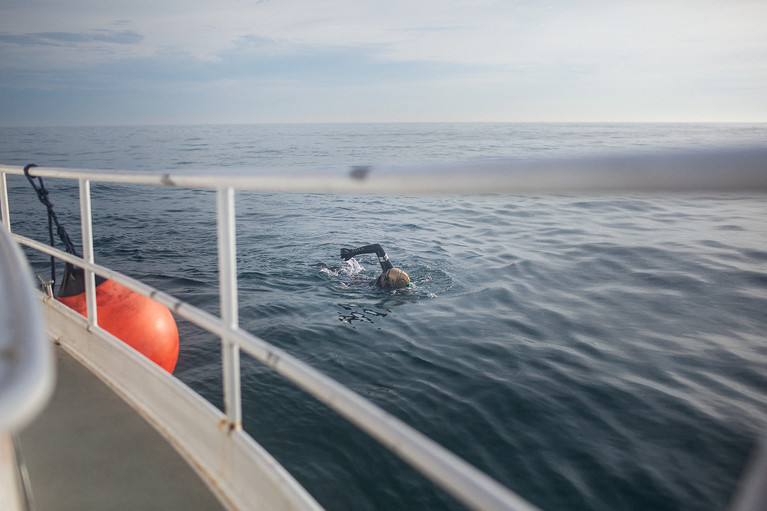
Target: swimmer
{"points": [[391, 277]]}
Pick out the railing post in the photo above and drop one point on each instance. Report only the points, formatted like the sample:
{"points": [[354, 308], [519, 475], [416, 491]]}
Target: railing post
{"points": [[87, 235], [4, 209], [227, 280]]}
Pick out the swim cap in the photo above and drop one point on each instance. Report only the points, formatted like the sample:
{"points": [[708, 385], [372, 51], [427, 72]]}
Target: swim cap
{"points": [[397, 278]]}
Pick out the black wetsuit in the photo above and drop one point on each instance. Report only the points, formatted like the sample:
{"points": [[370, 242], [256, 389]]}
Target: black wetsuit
{"points": [[348, 253]]}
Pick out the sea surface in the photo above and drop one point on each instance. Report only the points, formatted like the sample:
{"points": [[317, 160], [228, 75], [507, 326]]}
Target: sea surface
{"points": [[597, 352]]}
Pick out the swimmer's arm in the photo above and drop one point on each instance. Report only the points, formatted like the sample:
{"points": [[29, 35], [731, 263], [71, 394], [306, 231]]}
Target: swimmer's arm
{"points": [[348, 253]]}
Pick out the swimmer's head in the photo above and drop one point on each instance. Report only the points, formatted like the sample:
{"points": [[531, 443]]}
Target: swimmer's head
{"points": [[395, 278]]}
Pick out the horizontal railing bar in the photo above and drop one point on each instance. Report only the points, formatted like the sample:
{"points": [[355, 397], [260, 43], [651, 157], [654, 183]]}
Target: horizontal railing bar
{"points": [[467, 484], [714, 170], [198, 317]]}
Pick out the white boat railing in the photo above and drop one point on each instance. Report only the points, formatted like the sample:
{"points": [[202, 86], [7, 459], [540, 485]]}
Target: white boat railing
{"points": [[26, 365], [721, 170], [26, 360], [741, 170], [460, 479]]}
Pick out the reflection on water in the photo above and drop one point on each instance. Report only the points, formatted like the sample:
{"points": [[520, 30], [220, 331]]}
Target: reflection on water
{"points": [[353, 312]]}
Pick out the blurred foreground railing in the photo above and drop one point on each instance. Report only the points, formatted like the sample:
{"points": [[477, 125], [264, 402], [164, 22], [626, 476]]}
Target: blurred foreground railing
{"points": [[26, 366]]}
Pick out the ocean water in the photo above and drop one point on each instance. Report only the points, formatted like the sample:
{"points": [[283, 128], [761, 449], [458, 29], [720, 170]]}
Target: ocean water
{"points": [[589, 352]]}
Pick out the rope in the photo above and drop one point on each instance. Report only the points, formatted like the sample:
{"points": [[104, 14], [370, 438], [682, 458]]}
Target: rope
{"points": [[42, 194]]}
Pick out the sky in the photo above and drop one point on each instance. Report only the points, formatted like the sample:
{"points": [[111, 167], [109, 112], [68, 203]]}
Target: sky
{"points": [[139, 62]]}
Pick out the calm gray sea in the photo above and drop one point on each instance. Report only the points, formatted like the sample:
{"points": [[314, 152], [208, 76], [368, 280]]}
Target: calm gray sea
{"points": [[590, 352]]}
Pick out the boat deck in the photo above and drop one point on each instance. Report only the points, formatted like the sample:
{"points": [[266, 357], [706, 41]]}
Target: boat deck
{"points": [[90, 450]]}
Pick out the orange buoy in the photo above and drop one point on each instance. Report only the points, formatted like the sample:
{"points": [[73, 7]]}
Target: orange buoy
{"points": [[142, 323]]}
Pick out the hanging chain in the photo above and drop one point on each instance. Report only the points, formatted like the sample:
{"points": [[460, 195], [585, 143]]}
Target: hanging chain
{"points": [[42, 194]]}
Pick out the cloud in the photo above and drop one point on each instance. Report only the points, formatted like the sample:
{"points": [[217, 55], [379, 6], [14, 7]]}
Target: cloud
{"points": [[449, 59], [71, 38]]}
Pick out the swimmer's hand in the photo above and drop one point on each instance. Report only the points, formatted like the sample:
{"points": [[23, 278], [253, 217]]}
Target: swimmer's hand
{"points": [[346, 254]]}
